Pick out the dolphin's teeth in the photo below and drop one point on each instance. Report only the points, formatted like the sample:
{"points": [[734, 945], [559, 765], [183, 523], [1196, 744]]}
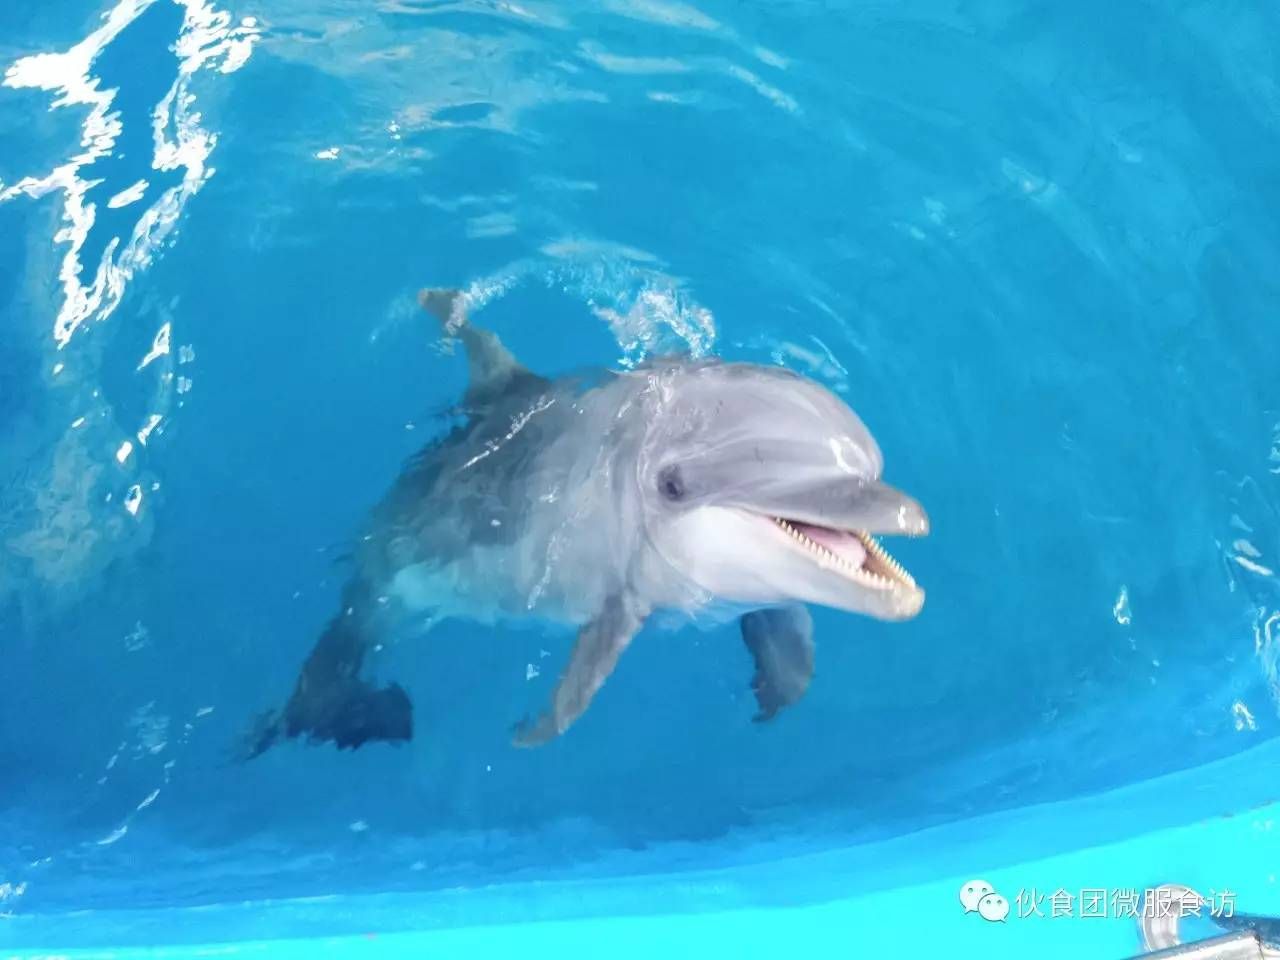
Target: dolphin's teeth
{"points": [[897, 573], [873, 547]]}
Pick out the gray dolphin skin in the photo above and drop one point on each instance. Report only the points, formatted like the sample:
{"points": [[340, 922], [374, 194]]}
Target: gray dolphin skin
{"points": [[702, 488]]}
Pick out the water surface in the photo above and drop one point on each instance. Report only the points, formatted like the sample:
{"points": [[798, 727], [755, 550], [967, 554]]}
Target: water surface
{"points": [[1031, 246]]}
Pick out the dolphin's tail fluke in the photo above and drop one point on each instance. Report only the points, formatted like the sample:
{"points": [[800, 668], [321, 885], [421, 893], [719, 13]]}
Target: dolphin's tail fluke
{"points": [[349, 717], [331, 702]]}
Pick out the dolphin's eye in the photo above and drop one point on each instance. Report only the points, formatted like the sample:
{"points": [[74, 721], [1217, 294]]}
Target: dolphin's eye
{"points": [[671, 484]]}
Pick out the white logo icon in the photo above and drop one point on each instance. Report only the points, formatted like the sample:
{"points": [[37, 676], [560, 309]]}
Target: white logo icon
{"points": [[971, 894], [993, 907], [980, 897]]}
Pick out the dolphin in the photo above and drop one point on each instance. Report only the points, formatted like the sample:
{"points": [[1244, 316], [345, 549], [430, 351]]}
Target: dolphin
{"points": [[700, 488]]}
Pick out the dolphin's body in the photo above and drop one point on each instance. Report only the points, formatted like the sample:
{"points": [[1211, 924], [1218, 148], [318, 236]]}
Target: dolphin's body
{"points": [[700, 488]]}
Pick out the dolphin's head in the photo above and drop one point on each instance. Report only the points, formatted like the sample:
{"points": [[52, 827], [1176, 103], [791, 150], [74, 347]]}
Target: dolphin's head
{"points": [[763, 487]]}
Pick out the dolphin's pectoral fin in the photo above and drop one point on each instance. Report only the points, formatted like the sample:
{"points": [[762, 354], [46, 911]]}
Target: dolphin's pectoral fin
{"points": [[492, 368], [595, 653], [781, 643], [330, 700]]}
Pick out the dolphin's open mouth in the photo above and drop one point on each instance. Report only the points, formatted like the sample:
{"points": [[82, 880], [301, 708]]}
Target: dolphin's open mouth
{"points": [[854, 553]]}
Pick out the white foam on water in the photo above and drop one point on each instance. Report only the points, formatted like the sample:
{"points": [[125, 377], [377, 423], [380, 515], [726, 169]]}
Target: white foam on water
{"points": [[646, 309], [180, 142], [63, 534]]}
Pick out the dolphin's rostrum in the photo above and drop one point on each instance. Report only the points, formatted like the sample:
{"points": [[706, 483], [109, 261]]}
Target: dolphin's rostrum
{"points": [[703, 488]]}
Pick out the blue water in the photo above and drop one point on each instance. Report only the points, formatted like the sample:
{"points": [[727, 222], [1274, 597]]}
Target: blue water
{"points": [[1032, 245]]}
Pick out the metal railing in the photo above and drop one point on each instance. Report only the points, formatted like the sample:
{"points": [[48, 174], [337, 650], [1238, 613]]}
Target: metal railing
{"points": [[1248, 936]]}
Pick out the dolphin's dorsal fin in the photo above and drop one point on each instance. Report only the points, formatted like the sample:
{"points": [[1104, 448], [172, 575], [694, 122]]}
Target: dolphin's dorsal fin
{"points": [[492, 367], [595, 653]]}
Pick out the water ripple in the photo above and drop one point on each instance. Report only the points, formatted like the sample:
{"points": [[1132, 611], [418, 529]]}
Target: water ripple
{"points": [[206, 38], [83, 499]]}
